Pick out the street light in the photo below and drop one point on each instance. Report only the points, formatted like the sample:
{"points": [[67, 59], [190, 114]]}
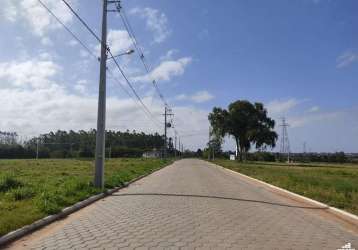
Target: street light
{"points": [[128, 52], [101, 116]]}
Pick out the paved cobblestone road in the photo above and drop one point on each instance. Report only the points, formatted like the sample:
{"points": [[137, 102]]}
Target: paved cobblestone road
{"points": [[195, 205]]}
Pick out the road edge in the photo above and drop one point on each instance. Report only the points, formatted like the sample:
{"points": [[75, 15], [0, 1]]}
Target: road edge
{"points": [[25, 230], [343, 215]]}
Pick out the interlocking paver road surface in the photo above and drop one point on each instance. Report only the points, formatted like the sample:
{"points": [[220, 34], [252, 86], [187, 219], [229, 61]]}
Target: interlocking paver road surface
{"points": [[193, 204]]}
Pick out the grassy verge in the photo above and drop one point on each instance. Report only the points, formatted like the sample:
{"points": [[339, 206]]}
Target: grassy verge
{"points": [[30, 189], [333, 184]]}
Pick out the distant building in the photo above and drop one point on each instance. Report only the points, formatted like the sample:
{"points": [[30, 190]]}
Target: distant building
{"points": [[152, 154]]}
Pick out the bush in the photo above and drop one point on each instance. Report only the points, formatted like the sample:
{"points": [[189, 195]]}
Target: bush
{"points": [[8, 182]]}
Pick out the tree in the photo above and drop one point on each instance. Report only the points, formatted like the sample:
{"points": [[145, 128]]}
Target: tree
{"points": [[248, 123], [214, 145]]}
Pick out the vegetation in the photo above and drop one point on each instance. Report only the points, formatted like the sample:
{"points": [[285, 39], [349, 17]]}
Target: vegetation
{"points": [[333, 184], [63, 144], [32, 189], [248, 123]]}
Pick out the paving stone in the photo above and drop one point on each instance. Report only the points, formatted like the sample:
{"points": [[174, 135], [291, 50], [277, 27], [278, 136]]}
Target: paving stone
{"points": [[194, 205]]}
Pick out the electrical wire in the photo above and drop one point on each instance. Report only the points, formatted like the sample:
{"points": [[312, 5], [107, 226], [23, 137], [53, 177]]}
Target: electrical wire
{"points": [[132, 35], [146, 110], [113, 58]]}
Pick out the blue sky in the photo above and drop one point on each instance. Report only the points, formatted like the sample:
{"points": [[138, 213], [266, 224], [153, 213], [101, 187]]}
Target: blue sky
{"points": [[300, 58]]}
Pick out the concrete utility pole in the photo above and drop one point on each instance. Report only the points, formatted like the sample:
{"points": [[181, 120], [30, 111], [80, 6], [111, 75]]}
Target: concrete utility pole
{"points": [[101, 115], [165, 132], [175, 144], [209, 143], [167, 112], [37, 148]]}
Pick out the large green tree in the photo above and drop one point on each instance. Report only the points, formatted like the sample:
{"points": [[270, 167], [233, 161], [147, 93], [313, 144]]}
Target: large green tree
{"points": [[247, 122]]}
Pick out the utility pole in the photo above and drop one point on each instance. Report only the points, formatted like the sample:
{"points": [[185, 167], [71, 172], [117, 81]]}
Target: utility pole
{"points": [[209, 143], [165, 132], [167, 112], [37, 148], [175, 144], [101, 115]]}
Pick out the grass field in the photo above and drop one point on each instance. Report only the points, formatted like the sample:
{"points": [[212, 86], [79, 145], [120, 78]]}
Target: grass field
{"points": [[33, 189], [333, 184]]}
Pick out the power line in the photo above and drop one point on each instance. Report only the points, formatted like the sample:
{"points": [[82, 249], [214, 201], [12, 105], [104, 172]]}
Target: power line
{"points": [[132, 35], [82, 21], [146, 110], [68, 30], [113, 58], [139, 50]]}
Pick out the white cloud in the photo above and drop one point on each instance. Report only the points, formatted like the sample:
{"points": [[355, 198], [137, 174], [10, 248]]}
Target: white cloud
{"points": [[303, 120], [31, 13], [198, 97], [346, 59], [181, 97], [281, 107], [72, 43], [46, 41], [118, 41], [166, 70], [33, 102], [155, 21], [31, 112], [169, 55], [81, 86], [35, 73], [314, 109], [8, 10]]}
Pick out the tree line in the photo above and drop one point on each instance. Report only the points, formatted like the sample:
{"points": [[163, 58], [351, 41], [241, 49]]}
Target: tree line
{"points": [[63, 144]]}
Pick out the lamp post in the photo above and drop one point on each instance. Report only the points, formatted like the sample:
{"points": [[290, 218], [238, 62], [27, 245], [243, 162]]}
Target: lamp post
{"points": [[128, 52], [101, 118]]}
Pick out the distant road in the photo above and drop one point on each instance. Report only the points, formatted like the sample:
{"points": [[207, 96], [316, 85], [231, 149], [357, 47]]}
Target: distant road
{"points": [[195, 205]]}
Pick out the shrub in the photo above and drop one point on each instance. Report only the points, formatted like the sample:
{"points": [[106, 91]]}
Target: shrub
{"points": [[8, 182]]}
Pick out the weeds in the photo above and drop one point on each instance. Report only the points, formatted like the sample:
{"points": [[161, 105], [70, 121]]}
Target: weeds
{"points": [[22, 193], [8, 182], [336, 185], [45, 187]]}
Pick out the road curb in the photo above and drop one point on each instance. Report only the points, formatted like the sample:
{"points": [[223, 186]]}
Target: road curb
{"points": [[346, 216], [14, 235]]}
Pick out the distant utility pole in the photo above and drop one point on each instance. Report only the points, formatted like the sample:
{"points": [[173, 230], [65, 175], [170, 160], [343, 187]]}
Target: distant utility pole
{"points": [[101, 115], [285, 143], [209, 143], [167, 112], [175, 143], [37, 148]]}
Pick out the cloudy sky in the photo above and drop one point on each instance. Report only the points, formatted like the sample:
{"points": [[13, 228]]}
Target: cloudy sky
{"points": [[299, 57]]}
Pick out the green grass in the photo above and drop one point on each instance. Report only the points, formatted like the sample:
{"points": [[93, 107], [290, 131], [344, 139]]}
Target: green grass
{"points": [[333, 184], [33, 189]]}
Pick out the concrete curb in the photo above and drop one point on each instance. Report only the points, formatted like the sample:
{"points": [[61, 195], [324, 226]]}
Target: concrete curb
{"points": [[347, 217], [14, 235]]}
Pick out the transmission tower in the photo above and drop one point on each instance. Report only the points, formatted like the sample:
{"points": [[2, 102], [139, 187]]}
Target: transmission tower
{"points": [[285, 143]]}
